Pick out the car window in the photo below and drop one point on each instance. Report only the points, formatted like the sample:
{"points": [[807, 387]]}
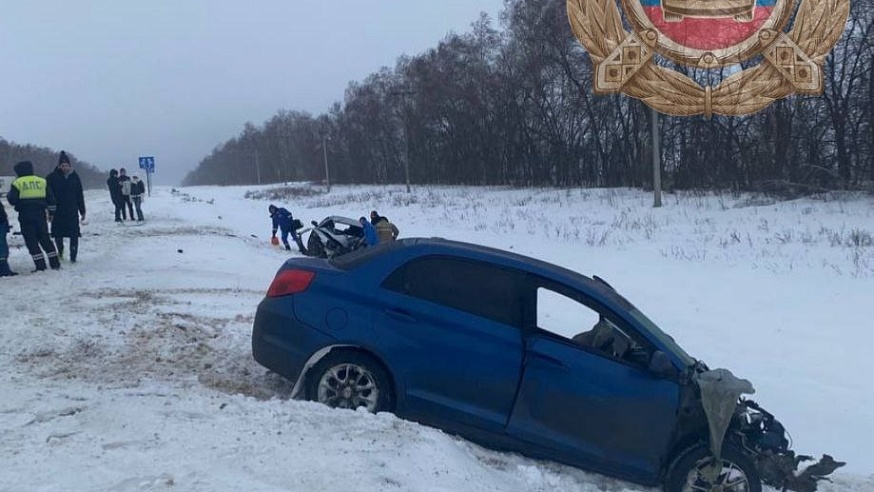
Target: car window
{"points": [[559, 314], [589, 326], [474, 287], [342, 227]]}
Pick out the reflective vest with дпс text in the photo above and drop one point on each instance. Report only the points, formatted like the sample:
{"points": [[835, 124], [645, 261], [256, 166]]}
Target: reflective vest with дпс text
{"points": [[30, 187]]}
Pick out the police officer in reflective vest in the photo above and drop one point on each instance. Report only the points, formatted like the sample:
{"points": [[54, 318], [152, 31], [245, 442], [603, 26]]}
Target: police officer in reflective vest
{"points": [[32, 198]]}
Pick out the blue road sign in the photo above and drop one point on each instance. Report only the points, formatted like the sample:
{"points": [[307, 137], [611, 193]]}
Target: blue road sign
{"points": [[147, 163]]}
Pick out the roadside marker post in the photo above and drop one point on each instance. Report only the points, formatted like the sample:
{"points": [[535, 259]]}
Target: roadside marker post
{"points": [[148, 164]]}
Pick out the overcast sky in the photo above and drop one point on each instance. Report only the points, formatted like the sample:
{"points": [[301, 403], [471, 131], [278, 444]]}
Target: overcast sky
{"points": [[113, 80]]}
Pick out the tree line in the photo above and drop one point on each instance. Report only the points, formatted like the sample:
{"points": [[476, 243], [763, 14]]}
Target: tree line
{"points": [[514, 106], [44, 161]]}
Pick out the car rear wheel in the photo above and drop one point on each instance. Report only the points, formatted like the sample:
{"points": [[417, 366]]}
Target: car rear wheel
{"points": [[689, 473], [315, 246], [350, 380]]}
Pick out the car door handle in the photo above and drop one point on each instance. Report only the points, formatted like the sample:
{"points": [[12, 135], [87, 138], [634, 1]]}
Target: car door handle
{"points": [[552, 361], [400, 316]]}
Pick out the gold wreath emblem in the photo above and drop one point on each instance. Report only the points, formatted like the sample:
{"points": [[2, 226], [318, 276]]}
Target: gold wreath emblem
{"points": [[793, 61]]}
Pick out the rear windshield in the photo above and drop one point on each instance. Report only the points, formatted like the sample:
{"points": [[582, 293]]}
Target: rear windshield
{"points": [[363, 255]]}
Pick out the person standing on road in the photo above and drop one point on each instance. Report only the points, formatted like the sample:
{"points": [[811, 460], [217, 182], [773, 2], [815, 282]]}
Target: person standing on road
{"points": [[33, 199], [4, 246], [125, 184], [66, 187], [282, 220], [115, 194], [137, 193]]}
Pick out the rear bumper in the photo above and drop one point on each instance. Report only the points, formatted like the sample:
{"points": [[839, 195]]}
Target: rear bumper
{"points": [[280, 342]]}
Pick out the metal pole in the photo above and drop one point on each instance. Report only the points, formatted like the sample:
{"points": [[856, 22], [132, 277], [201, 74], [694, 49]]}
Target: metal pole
{"points": [[404, 93], [325, 150], [656, 161], [149, 181], [407, 135], [257, 166]]}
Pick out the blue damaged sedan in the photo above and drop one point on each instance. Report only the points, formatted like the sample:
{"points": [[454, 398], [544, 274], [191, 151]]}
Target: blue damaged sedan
{"points": [[516, 354]]}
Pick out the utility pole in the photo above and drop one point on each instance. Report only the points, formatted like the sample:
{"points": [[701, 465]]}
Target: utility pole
{"points": [[325, 151], [257, 167], [404, 93], [656, 161]]}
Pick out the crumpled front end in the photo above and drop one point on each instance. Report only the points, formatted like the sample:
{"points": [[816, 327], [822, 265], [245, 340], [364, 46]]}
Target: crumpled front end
{"points": [[742, 421], [764, 437]]}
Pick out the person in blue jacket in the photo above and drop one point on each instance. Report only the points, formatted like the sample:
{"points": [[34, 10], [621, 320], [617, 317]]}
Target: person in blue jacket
{"points": [[370, 236], [283, 221]]}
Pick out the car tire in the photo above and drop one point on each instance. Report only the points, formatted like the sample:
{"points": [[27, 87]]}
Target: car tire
{"points": [[315, 246], [350, 380], [739, 473]]}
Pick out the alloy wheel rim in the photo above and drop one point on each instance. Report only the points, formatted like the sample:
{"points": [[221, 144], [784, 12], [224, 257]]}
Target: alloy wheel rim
{"points": [[348, 386], [731, 478]]}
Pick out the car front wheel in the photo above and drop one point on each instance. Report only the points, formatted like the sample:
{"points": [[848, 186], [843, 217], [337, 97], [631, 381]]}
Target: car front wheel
{"points": [[350, 380], [692, 472]]}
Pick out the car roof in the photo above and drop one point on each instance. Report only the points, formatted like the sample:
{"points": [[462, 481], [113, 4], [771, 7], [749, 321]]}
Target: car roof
{"points": [[409, 249], [342, 220], [438, 246]]}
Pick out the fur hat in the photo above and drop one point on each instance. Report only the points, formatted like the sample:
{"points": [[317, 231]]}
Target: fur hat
{"points": [[24, 168], [63, 158]]}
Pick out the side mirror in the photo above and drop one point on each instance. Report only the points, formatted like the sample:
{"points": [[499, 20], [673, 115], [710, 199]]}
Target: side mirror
{"points": [[314, 223], [661, 365]]}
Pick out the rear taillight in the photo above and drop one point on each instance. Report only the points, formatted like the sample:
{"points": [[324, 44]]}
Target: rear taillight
{"points": [[288, 282]]}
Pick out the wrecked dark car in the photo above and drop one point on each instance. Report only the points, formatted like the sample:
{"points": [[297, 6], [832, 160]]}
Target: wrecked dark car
{"points": [[334, 236], [522, 355]]}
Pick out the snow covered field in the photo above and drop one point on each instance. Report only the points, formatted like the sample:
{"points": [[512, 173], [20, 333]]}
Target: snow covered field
{"points": [[131, 369]]}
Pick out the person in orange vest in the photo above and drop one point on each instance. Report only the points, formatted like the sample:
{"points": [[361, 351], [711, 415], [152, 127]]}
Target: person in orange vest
{"points": [[386, 230], [33, 199]]}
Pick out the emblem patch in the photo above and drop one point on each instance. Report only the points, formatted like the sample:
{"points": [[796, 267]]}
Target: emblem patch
{"points": [[708, 34]]}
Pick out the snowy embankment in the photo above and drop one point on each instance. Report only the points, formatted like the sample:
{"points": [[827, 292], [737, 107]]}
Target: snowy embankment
{"points": [[131, 369]]}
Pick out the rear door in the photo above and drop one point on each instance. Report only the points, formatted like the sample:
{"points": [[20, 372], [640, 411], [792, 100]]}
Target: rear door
{"points": [[453, 328], [592, 407]]}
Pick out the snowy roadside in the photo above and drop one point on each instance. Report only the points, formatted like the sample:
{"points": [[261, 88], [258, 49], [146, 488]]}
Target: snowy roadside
{"points": [[131, 370]]}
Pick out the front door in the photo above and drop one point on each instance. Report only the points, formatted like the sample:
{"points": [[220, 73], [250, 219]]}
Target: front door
{"points": [[593, 407]]}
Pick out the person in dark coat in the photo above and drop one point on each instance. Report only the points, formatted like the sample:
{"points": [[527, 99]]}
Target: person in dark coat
{"points": [[124, 184], [282, 220], [70, 205], [33, 199], [137, 193], [4, 246], [115, 194]]}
